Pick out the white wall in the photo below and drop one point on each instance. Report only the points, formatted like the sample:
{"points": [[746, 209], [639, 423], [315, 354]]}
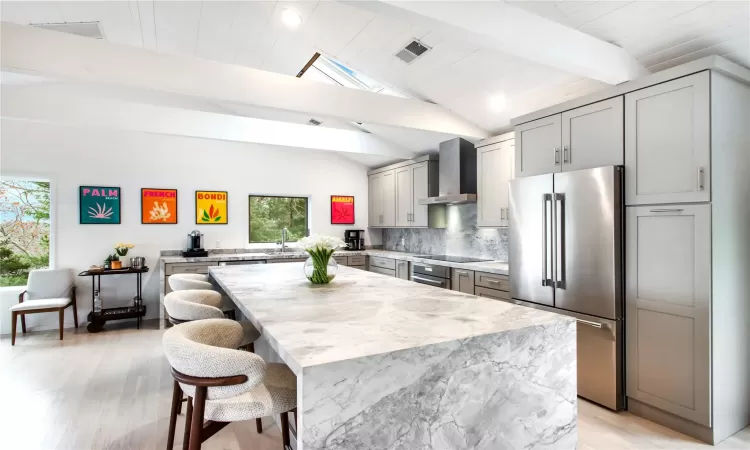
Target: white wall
{"points": [[72, 157]]}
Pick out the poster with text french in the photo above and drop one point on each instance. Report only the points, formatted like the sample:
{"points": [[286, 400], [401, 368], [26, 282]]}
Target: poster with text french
{"points": [[158, 206], [211, 208], [99, 205]]}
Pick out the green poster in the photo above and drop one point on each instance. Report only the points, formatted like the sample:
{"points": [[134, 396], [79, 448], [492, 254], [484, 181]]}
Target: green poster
{"points": [[99, 204]]}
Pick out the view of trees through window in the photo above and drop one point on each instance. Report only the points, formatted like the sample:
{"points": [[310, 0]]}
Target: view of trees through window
{"points": [[269, 215], [24, 229]]}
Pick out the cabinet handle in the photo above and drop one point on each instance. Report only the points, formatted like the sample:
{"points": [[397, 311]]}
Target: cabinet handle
{"points": [[489, 280], [700, 178], [557, 155], [566, 158], [589, 323], [666, 210]]}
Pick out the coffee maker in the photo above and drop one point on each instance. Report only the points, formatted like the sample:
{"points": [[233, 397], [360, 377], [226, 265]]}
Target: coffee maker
{"points": [[195, 245], [354, 239]]}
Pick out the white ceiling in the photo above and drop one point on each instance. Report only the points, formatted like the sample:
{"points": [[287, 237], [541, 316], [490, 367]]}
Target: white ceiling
{"points": [[456, 74]]}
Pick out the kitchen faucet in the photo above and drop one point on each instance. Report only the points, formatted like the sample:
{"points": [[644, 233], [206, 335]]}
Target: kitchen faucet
{"points": [[283, 239]]}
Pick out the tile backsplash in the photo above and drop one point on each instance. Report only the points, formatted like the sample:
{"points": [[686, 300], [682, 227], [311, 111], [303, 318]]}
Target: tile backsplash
{"points": [[461, 237]]}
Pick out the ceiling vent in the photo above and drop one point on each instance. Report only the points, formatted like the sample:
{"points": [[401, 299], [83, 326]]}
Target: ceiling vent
{"points": [[414, 50], [85, 29], [314, 122]]}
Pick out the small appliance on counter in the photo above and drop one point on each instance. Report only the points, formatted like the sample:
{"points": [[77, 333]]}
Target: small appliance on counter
{"points": [[354, 239], [138, 262], [194, 245]]}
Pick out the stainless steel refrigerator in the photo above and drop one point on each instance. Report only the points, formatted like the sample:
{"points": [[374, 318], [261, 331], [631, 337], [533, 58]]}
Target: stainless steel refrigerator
{"points": [[566, 254]]}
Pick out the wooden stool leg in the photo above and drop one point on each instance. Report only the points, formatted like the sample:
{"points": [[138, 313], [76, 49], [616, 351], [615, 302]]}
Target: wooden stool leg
{"points": [[188, 420], [285, 430], [14, 319], [23, 323], [259, 425], [176, 402], [196, 425], [62, 319], [179, 404]]}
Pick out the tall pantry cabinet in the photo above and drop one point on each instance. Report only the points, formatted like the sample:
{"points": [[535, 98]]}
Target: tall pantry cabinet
{"points": [[687, 166]]}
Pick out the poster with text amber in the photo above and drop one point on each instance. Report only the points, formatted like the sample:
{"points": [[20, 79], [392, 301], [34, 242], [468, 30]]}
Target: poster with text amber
{"points": [[342, 210], [211, 208], [158, 206]]}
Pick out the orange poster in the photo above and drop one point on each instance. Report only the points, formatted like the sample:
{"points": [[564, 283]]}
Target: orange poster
{"points": [[158, 206], [211, 208]]}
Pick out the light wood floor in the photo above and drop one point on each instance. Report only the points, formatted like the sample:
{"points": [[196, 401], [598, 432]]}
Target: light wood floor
{"points": [[112, 390]]}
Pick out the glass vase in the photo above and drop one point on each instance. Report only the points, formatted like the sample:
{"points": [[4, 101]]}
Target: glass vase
{"points": [[319, 271]]}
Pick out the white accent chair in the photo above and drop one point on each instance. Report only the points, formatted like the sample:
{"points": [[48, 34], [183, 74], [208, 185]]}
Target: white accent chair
{"points": [[187, 281], [47, 290], [227, 385]]}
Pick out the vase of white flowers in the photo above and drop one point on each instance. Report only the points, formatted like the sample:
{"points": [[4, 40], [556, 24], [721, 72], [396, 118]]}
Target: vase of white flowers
{"points": [[320, 268]]}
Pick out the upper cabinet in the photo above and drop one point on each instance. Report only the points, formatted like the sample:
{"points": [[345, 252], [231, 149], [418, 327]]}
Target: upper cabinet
{"points": [[582, 138], [395, 193], [592, 136], [667, 142], [538, 145], [494, 171]]}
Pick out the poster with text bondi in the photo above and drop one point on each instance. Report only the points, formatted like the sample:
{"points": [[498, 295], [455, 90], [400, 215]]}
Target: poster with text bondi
{"points": [[158, 206], [99, 204], [211, 207]]}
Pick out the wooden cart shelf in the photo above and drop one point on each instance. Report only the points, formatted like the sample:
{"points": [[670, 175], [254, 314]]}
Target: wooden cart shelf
{"points": [[138, 310]]}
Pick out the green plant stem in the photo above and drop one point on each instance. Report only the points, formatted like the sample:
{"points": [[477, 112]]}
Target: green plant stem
{"points": [[320, 265]]}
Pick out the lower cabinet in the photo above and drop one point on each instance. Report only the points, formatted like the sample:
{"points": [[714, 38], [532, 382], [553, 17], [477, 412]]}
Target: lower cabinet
{"points": [[491, 293], [380, 270], [402, 270], [491, 285], [463, 281], [668, 302]]}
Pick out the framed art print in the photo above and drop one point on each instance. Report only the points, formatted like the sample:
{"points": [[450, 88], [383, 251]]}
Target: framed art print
{"points": [[158, 206], [211, 208], [342, 210], [98, 205]]}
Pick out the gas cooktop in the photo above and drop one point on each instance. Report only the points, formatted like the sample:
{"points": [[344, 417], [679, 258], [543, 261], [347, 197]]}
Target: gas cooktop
{"points": [[455, 259]]}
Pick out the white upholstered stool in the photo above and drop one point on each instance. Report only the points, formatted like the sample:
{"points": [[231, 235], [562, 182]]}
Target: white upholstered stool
{"points": [[227, 385], [186, 281]]}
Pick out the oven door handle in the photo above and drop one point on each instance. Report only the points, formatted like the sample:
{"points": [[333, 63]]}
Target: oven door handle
{"points": [[427, 280]]}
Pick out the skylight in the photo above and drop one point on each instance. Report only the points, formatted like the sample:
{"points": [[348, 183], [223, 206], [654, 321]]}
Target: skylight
{"points": [[328, 70]]}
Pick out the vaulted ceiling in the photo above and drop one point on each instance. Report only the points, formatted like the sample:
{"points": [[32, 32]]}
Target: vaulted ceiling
{"points": [[456, 73]]}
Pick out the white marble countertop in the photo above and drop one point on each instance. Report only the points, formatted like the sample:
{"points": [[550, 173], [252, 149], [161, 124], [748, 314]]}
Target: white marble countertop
{"points": [[496, 267], [360, 313]]}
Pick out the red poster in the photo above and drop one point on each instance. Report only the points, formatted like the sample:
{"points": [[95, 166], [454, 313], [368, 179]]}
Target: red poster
{"points": [[342, 210]]}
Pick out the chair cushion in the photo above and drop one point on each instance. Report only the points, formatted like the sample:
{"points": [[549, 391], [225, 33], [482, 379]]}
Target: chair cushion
{"points": [[187, 281], [193, 305], [29, 305], [49, 283], [277, 394]]}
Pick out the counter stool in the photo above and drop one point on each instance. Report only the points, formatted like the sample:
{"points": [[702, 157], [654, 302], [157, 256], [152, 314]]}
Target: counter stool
{"points": [[227, 385], [190, 281]]}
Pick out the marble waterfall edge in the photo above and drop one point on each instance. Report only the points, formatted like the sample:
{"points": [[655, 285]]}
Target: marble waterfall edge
{"points": [[510, 390]]}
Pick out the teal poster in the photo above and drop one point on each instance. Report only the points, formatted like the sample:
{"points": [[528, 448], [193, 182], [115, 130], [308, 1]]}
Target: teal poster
{"points": [[99, 204]]}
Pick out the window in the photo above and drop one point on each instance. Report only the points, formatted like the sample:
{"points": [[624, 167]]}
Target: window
{"points": [[24, 229], [269, 215], [331, 71]]}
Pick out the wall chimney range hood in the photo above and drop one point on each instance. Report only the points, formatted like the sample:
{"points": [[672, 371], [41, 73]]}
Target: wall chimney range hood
{"points": [[457, 174]]}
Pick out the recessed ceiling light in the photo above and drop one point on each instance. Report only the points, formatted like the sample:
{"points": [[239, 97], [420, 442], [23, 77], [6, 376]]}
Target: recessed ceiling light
{"points": [[497, 102], [291, 18]]}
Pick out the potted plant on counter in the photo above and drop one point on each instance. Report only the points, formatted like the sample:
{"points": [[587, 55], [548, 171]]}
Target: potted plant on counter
{"points": [[320, 268]]}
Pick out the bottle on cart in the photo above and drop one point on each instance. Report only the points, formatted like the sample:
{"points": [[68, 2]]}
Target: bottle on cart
{"points": [[97, 303]]}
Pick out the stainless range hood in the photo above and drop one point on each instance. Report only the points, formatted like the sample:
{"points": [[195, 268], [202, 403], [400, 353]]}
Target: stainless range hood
{"points": [[457, 178]]}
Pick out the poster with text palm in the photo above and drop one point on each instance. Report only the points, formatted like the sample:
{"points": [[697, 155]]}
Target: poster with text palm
{"points": [[99, 204], [211, 208]]}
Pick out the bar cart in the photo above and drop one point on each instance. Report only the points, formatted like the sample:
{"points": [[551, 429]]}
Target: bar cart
{"points": [[137, 311]]}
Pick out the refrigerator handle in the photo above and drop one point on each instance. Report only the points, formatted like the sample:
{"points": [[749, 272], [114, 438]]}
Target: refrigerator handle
{"points": [[560, 231], [546, 198]]}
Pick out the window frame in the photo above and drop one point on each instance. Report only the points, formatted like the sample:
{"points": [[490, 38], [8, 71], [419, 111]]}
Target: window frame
{"points": [[250, 218], [25, 176]]}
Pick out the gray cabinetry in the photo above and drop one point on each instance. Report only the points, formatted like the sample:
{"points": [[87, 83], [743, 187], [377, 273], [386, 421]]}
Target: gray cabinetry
{"points": [[382, 271], [668, 305], [494, 171], [538, 144], [358, 262], [463, 281], [667, 142], [395, 192], [171, 269], [402, 270], [592, 136], [491, 293]]}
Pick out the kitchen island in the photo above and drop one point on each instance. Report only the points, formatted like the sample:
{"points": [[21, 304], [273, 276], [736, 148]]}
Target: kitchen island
{"points": [[384, 363]]}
